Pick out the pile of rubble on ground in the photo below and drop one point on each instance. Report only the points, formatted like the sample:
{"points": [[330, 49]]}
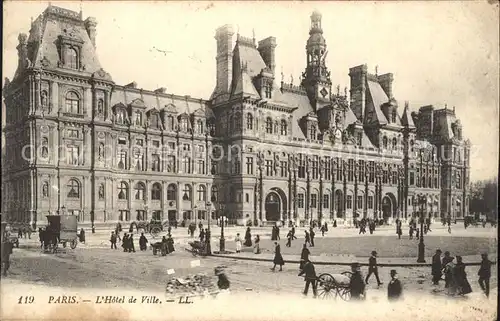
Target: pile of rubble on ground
{"points": [[193, 285]]}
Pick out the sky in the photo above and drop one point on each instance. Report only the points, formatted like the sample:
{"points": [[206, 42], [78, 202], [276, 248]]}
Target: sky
{"points": [[439, 52]]}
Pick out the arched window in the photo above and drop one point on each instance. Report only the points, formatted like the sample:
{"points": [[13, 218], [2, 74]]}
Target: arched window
{"points": [[139, 191], [237, 121], [249, 121], [199, 126], [186, 193], [72, 58], [384, 142], [172, 192], [283, 127], [215, 193], [394, 116], [121, 116], [202, 193], [184, 124], [269, 125], [154, 121], [156, 192], [394, 143], [72, 103], [73, 189], [123, 191]]}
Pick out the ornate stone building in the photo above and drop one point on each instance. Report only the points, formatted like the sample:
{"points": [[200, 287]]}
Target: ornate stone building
{"points": [[259, 149]]}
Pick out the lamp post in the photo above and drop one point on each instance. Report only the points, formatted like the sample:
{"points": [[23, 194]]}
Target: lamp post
{"points": [[421, 247], [209, 205], [222, 244]]}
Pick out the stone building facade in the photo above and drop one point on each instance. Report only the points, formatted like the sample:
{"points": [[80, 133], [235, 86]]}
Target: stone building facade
{"points": [[258, 150]]}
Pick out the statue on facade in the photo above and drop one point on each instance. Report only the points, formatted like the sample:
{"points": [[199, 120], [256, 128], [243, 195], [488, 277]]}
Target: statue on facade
{"points": [[45, 190], [101, 192]]}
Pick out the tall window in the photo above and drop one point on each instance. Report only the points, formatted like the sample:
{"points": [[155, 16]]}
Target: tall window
{"points": [[121, 116], [140, 191], [138, 160], [385, 176], [328, 169], [72, 103], [360, 202], [326, 201], [268, 90], [361, 175], [269, 167], [202, 193], [186, 193], [123, 191], [215, 193], [370, 202], [394, 116], [72, 58], [156, 192], [312, 132], [394, 143], [412, 178], [172, 192], [171, 123], [186, 165], [269, 125], [394, 178], [201, 166], [73, 153], [350, 170], [314, 200], [339, 169], [284, 168], [300, 200], [249, 121], [237, 121], [349, 202], [236, 165], [371, 171], [384, 142], [283, 127], [199, 126], [73, 189], [155, 163], [250, 165], [154, 120], [302, 168], [184, 125], [122, 159]]}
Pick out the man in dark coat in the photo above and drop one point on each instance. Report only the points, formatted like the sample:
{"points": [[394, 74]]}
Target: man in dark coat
{"points": [[143, 242], [293, 233], [131, 246], [125, 242], [113, 240], [278, 258], [372, 268], [436, 267], [446, 259], [307, 238], [394, 289], [82, 236], [164, 246], [304, 256], [248, 238], [41, 236], [484, 274], [170, 244], [310, 277], [6, 252], [202, 235], [461, 277], [311, 234], [289, 238], [356, 284]]}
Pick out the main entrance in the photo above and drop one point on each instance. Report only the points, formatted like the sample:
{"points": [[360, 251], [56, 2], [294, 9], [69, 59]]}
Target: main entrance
{"points": [[273, 207], [389, 206]]}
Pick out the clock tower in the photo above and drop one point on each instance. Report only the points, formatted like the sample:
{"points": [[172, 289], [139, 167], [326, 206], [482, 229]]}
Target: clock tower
{"points": [[316, 77]]}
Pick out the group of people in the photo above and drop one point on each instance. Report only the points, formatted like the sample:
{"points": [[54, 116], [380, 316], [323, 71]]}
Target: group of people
{"points": [[455, 277], [24, 232], [363, 223], [248, 241]]}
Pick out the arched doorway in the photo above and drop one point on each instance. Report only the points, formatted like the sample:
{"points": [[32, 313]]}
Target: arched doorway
{"points": [[273, 206], [389, 206], [339, 203]]}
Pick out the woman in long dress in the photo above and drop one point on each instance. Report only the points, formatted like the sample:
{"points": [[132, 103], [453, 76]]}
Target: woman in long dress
{"points": [[450, 275], [278, 258], [461, 278], [237, 240], [256, 247], [248, 238]]}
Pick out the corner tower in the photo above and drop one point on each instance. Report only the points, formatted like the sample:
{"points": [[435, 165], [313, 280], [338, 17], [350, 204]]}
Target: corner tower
{"points": [[316, 77]]}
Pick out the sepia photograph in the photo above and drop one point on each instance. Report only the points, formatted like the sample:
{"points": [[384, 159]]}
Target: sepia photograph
{"points": [[260, 160]]}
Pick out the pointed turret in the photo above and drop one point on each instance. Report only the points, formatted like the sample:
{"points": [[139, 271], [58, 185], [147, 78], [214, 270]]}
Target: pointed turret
{"points": [[406, 119]]}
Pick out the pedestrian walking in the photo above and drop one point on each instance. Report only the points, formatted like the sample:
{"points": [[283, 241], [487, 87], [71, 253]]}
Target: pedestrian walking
{"points": [[202, 235], [394, 288], [304, 256], [293, 232], [399, 228], [41, 236], [131, 243], [373, 268], [256, 247], [164, 246], [311, 234], [273, 233], [436, 268], [170, 244], [484, 274], [356, 284], [463, 284], [248, 238], [411, 231], [310, 278], [289, 238], [143, 241], [82, 236], [277, 233], [450, 279], [125, 243], [6, 250], [200, 226], [323, 230], [278, 258], [307, 238], [113, 240], [446, 259], [429, 224], [237, 240]]}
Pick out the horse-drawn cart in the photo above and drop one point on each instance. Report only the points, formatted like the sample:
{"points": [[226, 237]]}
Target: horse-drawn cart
{"points": [[62, 229], [334, 285]]}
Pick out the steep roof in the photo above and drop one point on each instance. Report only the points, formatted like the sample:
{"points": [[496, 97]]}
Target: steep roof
{"points": [[244, 86], [406, 119], [374, 101], [303, 108]]}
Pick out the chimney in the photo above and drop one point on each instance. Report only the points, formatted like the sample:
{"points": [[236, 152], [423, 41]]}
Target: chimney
{"points": [[358, 90], [22, 51], [161, 90], [224, 58], [90, 26], [385, 82], [267, 51], [133, 84]]}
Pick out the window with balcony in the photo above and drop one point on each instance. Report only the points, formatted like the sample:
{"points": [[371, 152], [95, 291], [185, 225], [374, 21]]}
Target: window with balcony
{"points": [[73, 189], [172, 192], [314, 200], [156, 192], [202, 193], [72, 103], [123, 191], [140, 191]]}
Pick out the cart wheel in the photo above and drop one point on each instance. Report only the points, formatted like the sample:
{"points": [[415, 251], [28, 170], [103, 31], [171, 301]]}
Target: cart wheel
{"points": [[155, 231], [327, 284], [64, 244], [73, 244], [344, 293]]}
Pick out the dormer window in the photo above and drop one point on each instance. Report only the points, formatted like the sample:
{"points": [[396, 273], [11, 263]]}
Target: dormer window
{"points": [[72, 58], [283, 127], [154, 121], [394, 143], [184, 125], [171, 123], [72, 103], [268, 90], [394, 115], [312, 132], [138, 118], [269, 125], [199, 126], [121, 116], [384, 142]]}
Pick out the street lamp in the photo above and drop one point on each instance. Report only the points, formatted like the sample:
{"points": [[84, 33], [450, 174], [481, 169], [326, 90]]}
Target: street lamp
{"points": [[222, 244], [209, 205], [421, 247]]}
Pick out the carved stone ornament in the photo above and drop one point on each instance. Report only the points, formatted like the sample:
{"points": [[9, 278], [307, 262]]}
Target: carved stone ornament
{"points": [[45, 62], [101, 73], [44, 129], [101, 135]]}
